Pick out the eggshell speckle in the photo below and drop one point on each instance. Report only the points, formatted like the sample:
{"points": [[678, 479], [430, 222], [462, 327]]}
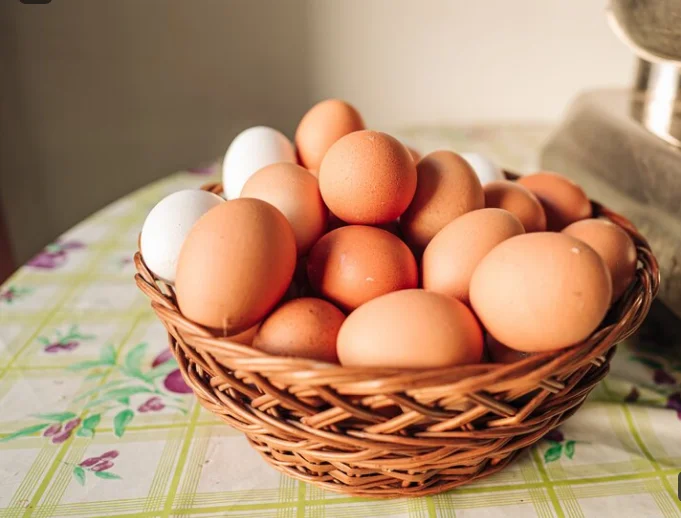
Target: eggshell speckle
{"points": [[236, 263], [295, 192], [563, 200], [354, 264], [306, 328], [447, 188], [486, 170], [367, 177], [614, 246], [454, 253], [541, 291], [321, 127], [250, 151], [410, 329], [517, 200], [167, 225]]}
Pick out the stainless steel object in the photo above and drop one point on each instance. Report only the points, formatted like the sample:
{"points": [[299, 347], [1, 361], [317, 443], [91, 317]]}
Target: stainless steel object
{"points": [[624, 146]]}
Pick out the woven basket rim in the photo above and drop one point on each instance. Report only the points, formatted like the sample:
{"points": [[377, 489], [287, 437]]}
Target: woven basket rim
{"points": [[647, 283]]}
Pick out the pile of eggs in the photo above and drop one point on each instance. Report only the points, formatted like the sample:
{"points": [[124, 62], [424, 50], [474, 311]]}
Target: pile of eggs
{"points": [[350, 248]]}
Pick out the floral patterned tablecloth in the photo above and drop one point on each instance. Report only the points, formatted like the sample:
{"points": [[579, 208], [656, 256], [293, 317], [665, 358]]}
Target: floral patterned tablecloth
{"points": [[95, 419]]}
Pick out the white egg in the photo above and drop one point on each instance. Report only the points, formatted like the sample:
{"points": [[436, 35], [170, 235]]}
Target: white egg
{"points": [[486, 170], [167, 226], [251, 150]]}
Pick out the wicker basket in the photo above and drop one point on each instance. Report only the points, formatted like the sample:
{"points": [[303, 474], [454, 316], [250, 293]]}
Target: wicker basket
{"points": [[386, 432]]}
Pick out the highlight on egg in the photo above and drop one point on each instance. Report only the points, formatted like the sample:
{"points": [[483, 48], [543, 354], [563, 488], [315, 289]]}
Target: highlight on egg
{"points": [[354, 264]]}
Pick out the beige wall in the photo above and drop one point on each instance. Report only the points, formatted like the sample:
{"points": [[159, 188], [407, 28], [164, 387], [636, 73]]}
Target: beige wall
{"points": [[102, 96]]}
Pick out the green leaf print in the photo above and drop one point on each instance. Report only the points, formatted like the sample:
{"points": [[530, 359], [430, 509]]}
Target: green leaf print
{"points": [[60, 418], [122, 420], [85, 432], [161, 370], [30, 430], [107, 476], [570, 449], [92, 421], [116, 394], [553, 453], [79, 475], [124, 400], [108, 355], [133, 360]]}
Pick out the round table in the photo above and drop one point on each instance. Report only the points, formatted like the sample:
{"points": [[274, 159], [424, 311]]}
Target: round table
{"points": [[95, 419]]}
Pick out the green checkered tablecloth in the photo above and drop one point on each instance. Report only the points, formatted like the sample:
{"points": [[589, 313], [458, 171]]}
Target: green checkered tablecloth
{"points": [[96, 421]]}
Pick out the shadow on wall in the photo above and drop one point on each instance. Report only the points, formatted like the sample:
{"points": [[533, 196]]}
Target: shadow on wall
{"points": [[100, 97]]}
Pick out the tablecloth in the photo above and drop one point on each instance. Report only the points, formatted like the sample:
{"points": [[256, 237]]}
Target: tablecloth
{"points": [[95, 419]]}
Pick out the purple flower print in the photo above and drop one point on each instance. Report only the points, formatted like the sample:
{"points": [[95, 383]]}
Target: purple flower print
{"points": [[62, 435], [72, 424], [154, 404], [54, 255], [89, 462], [555, 435], [57, 347], [661, 377], [102, 465], [674, 402], [163, 357], [68, 342], [98, 465], [633, 395], [52, 430], [111, 454], [13, 293], [175, 383]]}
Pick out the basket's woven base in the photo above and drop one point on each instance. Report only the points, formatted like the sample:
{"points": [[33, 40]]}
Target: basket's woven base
{"points": [[388, 432]]}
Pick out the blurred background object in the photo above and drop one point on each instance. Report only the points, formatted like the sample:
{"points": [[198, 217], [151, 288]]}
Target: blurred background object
{"points": [[100, 97]]}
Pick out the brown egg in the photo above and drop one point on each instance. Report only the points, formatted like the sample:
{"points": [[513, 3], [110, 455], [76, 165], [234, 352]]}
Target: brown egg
{"points": [[321, 127], [563, 200], [410, 329], [246, 337], [295, 192], [367, 177], [518, 200], [447, 188], [415, 155], [541, 291], [499, 353], [451, 257], [306, 328], [235, 265], [615, 247], [354, 264]]}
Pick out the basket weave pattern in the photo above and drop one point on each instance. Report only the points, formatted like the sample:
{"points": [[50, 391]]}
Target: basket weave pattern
{"points": [[387, 432]]}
